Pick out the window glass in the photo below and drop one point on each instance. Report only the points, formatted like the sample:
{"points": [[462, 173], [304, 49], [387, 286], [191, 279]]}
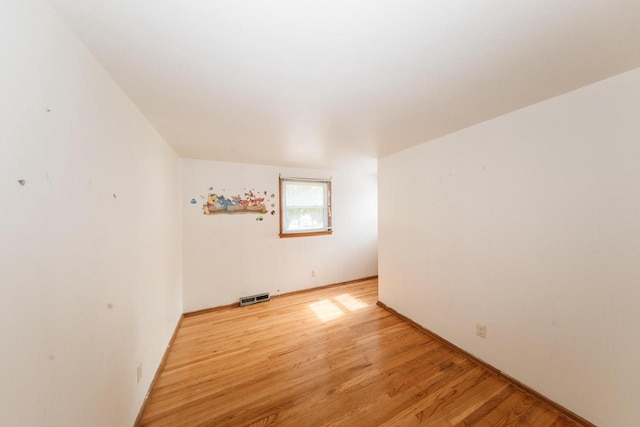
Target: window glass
{"points": [[306, 207]]}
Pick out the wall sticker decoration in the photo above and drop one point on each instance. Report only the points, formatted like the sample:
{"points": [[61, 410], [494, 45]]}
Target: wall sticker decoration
{"points": [[251, 202]]}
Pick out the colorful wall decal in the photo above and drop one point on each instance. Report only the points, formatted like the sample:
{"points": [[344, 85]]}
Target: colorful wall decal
{"points": [[249, 203]]}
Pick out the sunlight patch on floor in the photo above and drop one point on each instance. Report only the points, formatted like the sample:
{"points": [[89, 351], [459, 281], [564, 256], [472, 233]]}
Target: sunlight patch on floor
{"points": [[326, 310], [350, 302]]}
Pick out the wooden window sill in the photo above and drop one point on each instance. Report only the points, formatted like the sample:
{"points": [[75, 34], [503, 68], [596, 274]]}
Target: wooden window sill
{"points": [[313, 233]]}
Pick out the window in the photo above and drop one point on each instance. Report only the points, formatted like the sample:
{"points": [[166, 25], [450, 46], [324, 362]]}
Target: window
{"points": [[305, 207]]}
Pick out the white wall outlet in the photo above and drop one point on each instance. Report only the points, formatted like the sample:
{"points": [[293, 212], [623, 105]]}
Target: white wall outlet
{"points": [[139, 372], [481, 330]]}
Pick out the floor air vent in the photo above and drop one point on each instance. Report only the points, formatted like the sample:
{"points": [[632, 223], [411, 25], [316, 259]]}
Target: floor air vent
{"points": [[254, 299]]}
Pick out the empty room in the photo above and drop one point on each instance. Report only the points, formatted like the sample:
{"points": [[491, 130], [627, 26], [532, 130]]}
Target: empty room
{"points": [[314, 213]]}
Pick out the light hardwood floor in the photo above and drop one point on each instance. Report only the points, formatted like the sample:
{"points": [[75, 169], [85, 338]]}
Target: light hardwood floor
{"points": [[328, 357]]}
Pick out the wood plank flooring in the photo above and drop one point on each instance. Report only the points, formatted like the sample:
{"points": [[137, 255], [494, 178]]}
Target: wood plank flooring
{"points": [[328, 357]]}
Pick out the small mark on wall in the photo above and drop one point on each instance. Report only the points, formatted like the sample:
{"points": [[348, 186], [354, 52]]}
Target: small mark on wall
{"points": [[194, 201], [114, 196], [109, 306], [22, 182], [51, 358]]}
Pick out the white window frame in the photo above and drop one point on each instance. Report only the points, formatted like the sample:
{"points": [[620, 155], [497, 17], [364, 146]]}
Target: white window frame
{"points": [[283, 208]]}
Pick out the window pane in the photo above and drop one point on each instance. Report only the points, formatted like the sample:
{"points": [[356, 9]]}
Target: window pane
{"points": [[305, 219], [305, 207], [305, 194]]}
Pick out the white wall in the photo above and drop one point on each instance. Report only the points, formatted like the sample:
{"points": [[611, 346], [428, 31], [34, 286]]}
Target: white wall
{"points": [[90, 270], [529, 223], [229, 256]]}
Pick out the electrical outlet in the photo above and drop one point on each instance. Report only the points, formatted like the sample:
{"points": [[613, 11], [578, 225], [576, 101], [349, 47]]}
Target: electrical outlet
{"points": [[481, 330], [139, 372]]}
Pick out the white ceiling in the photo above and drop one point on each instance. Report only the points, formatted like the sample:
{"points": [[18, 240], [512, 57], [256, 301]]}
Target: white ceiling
{"points": [[324, 83]]}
